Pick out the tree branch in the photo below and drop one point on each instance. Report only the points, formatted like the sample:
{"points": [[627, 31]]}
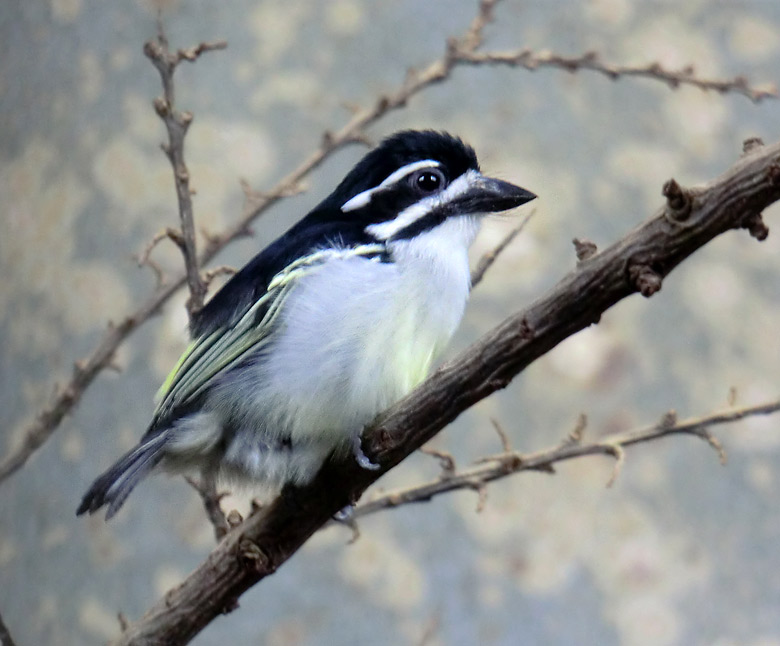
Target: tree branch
{"points": [[530, 60], [206, 488], [177, 123], [490, 256], [460, 51], [5, 635], [510, 462], [637, 262]]}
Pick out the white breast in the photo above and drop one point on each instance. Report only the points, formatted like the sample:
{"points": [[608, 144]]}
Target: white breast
{"points": [[360, 334]]}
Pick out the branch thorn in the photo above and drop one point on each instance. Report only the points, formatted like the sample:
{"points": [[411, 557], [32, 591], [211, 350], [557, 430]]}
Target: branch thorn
{"points": [[646, 279], [505, 444], [713, 441], [526, 330], [446, 460], [756, 227], [584, 249], [751, 144], [678, 201], [617, 452], [578, 432], [669, 420], [773, 173]]}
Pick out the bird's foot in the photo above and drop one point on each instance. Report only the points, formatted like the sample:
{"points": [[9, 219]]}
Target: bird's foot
{"points": [[362, 459], [345, 515]]}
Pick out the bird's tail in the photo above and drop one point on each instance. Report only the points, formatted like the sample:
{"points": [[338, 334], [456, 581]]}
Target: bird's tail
{"points": [[114, 486]]}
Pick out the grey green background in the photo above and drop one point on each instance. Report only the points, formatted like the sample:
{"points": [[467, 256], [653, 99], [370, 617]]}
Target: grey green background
{"points": [[679, 552]]}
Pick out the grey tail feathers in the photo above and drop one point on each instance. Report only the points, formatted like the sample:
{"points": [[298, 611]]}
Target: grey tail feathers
{"points": [[114, 486]]}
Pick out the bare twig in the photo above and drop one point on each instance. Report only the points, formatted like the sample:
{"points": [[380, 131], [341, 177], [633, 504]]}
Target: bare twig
{"points": [[177, 123], [207, 490], [531, 60], [84, 373], [5, 635], [446, 460], [584, 249], [145, 257], [458, 52], [475, 36], [267, 539], [222, 270], [578, 432], [617, 452], [432, 626], [506, 445], [489, 257], [511, 462]]}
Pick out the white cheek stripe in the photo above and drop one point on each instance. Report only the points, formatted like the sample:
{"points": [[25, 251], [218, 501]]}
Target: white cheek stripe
{"points": [[361, 199], [418, 210]]}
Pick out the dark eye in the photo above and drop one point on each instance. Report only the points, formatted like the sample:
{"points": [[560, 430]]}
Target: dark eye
{"points": [[428, 181]]}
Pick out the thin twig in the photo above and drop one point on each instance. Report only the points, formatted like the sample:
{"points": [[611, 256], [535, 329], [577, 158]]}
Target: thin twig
{"points": [[489, 257], [511, 462], [5, 635], [432, 626], [177, 123], [207, 490], [446, 460], [457, 53], [506, 445], [617, 452], [578, 432], [530, 60], [223, 270], [145, 257], [475, 35]]}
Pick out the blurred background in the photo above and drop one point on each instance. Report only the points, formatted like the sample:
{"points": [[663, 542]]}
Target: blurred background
{"points": [[679, 551]]}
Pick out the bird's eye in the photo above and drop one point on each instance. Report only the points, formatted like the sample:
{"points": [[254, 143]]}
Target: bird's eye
{"points": [[428, 181]]}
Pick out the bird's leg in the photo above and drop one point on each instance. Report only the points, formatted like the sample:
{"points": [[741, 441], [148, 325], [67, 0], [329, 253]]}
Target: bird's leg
{"points": [[345, 515], [362, 458]]}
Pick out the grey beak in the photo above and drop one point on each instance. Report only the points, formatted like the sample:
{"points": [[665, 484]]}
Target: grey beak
{"points": [[488, 195]]}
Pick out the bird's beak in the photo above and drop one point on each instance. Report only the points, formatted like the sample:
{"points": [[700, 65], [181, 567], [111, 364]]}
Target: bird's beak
{"points": [[488, 195]]}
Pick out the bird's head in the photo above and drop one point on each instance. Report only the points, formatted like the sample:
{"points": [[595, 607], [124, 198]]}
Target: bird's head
{"points": [[414, 181]]}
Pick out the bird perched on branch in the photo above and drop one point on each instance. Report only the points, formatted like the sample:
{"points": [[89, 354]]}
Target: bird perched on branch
{"points": [[329, 325]]}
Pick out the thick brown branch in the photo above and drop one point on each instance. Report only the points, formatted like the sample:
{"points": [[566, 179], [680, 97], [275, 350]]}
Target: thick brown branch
{"points": [[267, 539]]}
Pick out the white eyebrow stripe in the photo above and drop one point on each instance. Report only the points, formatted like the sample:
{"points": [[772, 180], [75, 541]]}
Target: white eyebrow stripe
{"points": [[405, 170], [418, 210], [361, 199]]}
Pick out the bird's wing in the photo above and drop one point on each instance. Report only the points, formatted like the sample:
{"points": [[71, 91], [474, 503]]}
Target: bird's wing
{"points": [[250, 327]]}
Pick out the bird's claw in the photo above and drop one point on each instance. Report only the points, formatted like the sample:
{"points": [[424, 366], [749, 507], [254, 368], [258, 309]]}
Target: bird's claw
{"points": [[362, 459], [345, 515]]}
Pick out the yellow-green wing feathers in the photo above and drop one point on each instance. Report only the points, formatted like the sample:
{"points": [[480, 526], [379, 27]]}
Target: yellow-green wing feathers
{"points": [[177, 369], [211, 354]]}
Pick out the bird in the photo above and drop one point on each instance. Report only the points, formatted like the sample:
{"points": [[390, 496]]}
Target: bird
{"points": [[325, 328]]}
